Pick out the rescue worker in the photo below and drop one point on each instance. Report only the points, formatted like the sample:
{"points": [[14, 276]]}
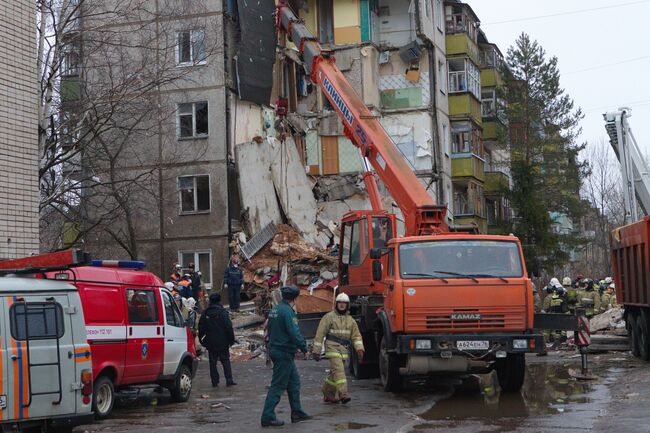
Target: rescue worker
{"points": [[195, 278], [571, 294], [216, 334], [233, 282], [284, 340], [340, 332], [558, 305], [177, 273], [184, 286], [589, 298], [550, 289], [537, 299], [609, 299]]}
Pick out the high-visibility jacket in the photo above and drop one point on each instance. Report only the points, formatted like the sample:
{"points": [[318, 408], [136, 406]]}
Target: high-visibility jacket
{"points": [[343, 328]]}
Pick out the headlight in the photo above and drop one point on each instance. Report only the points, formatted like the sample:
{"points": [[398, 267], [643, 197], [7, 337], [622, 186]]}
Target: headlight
{"points": [[519, 344], [423, 344]]}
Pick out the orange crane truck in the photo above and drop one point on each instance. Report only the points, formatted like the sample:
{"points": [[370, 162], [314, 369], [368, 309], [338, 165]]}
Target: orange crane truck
{"points": [[433, 301]]}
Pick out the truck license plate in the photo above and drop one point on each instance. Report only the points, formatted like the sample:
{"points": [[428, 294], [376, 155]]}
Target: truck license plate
{"points": [[473, 345]]}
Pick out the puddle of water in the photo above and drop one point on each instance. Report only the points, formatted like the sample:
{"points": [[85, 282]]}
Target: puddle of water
{"points": [[547, 389], [352, 426]]}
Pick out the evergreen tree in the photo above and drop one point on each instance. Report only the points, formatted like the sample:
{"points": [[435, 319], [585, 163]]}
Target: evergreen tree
{"points": [[545, 169]]}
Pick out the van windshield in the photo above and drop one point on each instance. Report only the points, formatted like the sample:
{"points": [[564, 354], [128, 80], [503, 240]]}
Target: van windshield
{"points": [[459, 259]]}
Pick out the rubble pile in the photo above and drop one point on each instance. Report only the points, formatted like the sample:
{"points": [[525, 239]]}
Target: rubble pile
{"points": [[289, 257], [611, 321]]}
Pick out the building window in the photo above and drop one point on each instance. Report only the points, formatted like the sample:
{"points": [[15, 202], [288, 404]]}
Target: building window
{"points": [[325, 21], [469, 200], [464, 76], [427, 8], [459, 20], [70, 60], [488, 103], [466, 138], [193, 120], [142, 306], [445, 139], [439, 16], [202, 263], [194, 194], [442, 76], [190, 48]]}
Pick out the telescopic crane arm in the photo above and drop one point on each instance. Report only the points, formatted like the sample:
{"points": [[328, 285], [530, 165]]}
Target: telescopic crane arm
{"points": [[421, 215], [634, 170]]}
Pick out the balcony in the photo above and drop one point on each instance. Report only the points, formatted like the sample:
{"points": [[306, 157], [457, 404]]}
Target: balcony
{"points": [[461, 44], [479, 221], [496, 182], [491, 78], [467, 165], [465, 105]]}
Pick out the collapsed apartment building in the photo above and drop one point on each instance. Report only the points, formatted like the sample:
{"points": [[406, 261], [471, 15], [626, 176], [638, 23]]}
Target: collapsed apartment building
{"points": [[419, 66], [423, 68]]}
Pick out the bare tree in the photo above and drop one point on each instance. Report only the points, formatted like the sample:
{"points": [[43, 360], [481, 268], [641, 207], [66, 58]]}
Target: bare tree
{"points": [[105, 68], [603, 189]]}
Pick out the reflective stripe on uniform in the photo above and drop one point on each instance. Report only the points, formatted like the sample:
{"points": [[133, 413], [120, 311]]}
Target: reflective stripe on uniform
{"points": [[336, 355], [336, 382]]}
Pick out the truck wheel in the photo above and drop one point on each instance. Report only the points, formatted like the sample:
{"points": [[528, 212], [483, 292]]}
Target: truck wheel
{"points": [[633, 336], [511, 372], [389, 369], [643, 344], [182, 387], [103, 397]]}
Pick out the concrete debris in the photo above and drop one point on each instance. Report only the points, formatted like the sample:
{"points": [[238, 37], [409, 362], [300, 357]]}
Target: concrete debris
{"points": [[338, 187], [247, 320], [606, 343], [311, 268], [609, 320]]}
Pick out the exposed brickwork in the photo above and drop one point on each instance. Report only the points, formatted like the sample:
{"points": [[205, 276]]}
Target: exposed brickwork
{"points": [[18, 129]]}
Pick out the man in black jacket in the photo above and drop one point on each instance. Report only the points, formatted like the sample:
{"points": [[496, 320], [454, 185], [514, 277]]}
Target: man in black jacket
{"points": [[216, 334]]}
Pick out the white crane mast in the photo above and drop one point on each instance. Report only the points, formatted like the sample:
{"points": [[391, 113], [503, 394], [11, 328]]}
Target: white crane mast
{"points": [[634, 170]]}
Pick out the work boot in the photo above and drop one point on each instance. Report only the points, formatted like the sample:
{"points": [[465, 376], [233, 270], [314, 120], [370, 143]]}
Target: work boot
{"points": [[299, 416], [272, 423], [346, 399], [330, 400], [231, 383]]}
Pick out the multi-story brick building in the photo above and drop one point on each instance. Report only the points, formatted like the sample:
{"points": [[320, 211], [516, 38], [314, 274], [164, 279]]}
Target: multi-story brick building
{"points": [[18, 130]]}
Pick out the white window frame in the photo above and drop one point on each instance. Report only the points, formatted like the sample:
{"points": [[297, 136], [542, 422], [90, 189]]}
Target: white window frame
{"points": [[442, 77], [439, 15], [197, 264], [427, 8], [470, 74], [178, 120], [446, 139], [193, 37], [196, 196]]}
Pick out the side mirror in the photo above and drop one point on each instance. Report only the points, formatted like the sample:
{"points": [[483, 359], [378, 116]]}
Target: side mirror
{"points": [[537, 267], [376, 270]]}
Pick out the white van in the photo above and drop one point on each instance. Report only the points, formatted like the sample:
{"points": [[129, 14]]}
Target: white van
{"points": [[45, 360]]}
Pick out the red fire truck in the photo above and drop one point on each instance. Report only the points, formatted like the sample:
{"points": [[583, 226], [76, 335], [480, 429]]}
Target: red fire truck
{"points": [[135, 330]]}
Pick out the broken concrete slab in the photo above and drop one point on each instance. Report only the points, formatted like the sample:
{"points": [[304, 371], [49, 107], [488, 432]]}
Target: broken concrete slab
{"points": [[256, 185], [607, 320], [294, 188]]}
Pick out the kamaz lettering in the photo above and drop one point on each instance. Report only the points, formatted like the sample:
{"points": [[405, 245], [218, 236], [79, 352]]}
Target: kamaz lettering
{"points": [[336, 98]]}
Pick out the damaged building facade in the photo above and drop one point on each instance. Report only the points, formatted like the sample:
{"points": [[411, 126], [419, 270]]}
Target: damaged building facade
{"points": [[247, 141]]}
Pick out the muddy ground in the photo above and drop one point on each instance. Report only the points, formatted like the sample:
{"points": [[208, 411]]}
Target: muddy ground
{"points": [[550, 401]]}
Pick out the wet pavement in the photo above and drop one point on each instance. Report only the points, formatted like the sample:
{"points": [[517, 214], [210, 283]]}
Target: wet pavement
{"points": [[552, 400]]}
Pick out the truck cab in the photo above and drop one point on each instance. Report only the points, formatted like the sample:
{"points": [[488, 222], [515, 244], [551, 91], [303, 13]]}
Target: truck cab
{"points": [[448, 303], [45, 359]]}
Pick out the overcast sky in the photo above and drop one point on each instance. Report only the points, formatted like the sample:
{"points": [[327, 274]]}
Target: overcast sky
{"points": [[603, 49]]}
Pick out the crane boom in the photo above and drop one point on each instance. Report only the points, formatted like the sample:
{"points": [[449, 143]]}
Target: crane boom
{"points": [[634, 170], [421, 215]]}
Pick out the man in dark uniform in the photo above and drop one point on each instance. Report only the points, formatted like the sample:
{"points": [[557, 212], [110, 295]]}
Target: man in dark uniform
{"points": [[284, 340], [216, 334]]}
